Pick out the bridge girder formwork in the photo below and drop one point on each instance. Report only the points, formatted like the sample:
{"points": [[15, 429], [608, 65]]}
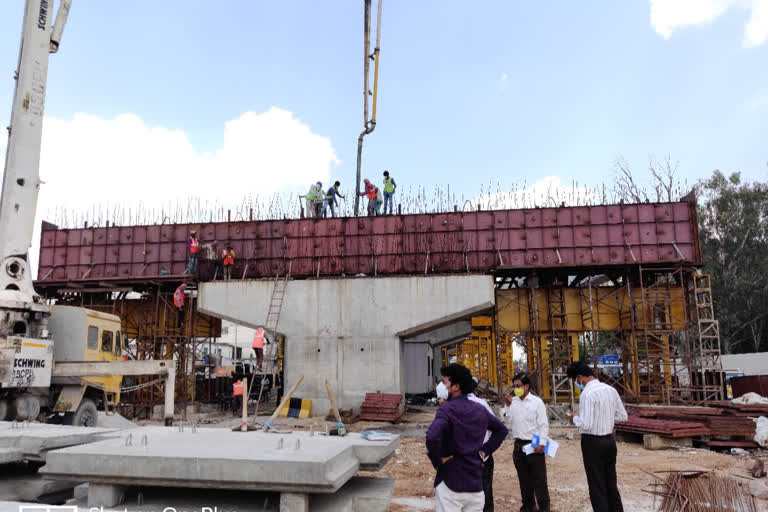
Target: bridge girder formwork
{"points": [[659, 319], [150, 323]]}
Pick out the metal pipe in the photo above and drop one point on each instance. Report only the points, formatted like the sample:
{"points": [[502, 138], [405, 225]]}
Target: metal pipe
{"points": [[58, 27], [376, 52], [366, 69]]}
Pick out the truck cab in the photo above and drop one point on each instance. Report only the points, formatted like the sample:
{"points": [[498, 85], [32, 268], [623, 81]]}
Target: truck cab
{"points": [[85, 335]]}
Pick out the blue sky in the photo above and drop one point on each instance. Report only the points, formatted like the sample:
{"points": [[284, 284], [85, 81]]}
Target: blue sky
{"points": [[471, 93]]}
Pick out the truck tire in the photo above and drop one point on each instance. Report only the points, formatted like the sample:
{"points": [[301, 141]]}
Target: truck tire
{"points": [[86, 414], [7, 411]]}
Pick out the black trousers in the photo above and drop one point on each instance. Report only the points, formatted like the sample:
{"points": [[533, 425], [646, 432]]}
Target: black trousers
{"points": [[488, 483], [532, 473], [599, 454]]}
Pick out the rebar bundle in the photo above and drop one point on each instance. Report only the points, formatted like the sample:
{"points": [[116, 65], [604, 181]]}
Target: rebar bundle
{"points": [[701, 491]]}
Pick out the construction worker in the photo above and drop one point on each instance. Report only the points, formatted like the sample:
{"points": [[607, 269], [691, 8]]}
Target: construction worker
{"points": [[330, 199], [258, 347], [178, 302], [370, 193], [379, 201], [318, 197], [314, 190], [228, 261], [389, 190], [193, 248]]}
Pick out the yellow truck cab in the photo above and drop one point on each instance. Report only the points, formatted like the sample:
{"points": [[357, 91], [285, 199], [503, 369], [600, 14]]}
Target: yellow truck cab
{"points": [[85, 335]]}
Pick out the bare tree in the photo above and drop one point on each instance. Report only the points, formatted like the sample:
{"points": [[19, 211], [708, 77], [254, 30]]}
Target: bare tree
{"points": [[663, 183]]}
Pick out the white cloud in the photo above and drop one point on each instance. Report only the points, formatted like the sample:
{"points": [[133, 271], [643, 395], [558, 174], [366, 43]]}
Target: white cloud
{"points": [[668, 16], [548, 191], [92, 167], [89, 161], [503, 81]]}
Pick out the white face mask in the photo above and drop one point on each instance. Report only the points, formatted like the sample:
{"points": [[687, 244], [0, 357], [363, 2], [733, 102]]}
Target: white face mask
{"points": [[442, 391]]}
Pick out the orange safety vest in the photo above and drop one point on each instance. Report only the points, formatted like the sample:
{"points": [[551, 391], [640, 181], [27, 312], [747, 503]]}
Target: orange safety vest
{"points": [[258, 339], [178, 299], [229, 257], [193, 245]]}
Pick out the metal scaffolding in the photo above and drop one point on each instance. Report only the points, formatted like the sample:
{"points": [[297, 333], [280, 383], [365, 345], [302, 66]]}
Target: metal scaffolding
{"points": [[150, 323]]}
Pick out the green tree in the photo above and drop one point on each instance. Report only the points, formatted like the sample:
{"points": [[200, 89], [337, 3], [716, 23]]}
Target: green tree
{"points": [[733, 222]]}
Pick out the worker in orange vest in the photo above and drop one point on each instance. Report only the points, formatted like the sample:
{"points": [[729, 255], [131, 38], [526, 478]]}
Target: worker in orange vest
{"points": [[193, 247], [370, 193], [258, 346], [178, 301], [228, 260]]}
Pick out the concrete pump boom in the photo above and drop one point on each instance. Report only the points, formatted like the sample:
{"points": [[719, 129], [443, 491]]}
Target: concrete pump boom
{"points": [[21, 179]]}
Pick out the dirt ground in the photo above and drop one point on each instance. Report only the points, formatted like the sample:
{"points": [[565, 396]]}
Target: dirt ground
{"points": [[414, 475]]}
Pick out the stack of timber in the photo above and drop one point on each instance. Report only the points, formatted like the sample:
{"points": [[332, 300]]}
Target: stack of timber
{"points": [[721, 423], [381, 407]]}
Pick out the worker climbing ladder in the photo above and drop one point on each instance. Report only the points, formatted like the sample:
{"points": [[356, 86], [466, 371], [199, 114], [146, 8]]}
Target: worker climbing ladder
{"points": [[270, 366]]}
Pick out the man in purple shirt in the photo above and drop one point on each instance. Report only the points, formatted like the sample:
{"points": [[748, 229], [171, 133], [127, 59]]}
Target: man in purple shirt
{"points": [[456, 447]]}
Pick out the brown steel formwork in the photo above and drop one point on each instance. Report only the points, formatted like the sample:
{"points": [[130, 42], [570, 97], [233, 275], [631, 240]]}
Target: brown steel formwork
{"points": [[477, 241], [544, 250]]}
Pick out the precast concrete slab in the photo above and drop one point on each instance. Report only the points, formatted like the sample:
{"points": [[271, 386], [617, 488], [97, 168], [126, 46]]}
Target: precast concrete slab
{"points": [[373, 455], [33, 440], [10, 455], [349, 331], [218, 459]]}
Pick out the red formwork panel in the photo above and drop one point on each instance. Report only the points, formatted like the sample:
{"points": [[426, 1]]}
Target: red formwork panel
{"points": [[477, 241]]}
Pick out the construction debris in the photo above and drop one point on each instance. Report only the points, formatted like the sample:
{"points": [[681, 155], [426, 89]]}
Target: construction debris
{"points": [[700, 491]]}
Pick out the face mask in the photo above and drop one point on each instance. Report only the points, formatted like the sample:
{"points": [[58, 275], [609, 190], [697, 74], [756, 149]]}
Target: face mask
{"points": [[579, 385], [519, 392], [442, 391]]}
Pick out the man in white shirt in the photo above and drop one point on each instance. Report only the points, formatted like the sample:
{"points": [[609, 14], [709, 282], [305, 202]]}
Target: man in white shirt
{"points": [[526, 415], [488, 461], [599, 407]]}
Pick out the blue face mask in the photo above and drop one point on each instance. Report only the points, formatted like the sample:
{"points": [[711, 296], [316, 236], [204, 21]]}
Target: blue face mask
{"points": [[578, 385]]}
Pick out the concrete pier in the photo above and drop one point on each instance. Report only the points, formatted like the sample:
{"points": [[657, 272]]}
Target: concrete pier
{"points": [[350, 330]]}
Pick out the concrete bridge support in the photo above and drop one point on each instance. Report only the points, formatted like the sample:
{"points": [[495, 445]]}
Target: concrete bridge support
{"points": [[350, 330]]}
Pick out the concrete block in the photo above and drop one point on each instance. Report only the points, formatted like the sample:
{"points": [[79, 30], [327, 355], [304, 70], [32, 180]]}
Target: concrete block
{"points": [[19, 482], [219, 458], [80, 493], [294, 502], [158, 412], [656, 442], [105, 495], [8, 455], [360, 494]]}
